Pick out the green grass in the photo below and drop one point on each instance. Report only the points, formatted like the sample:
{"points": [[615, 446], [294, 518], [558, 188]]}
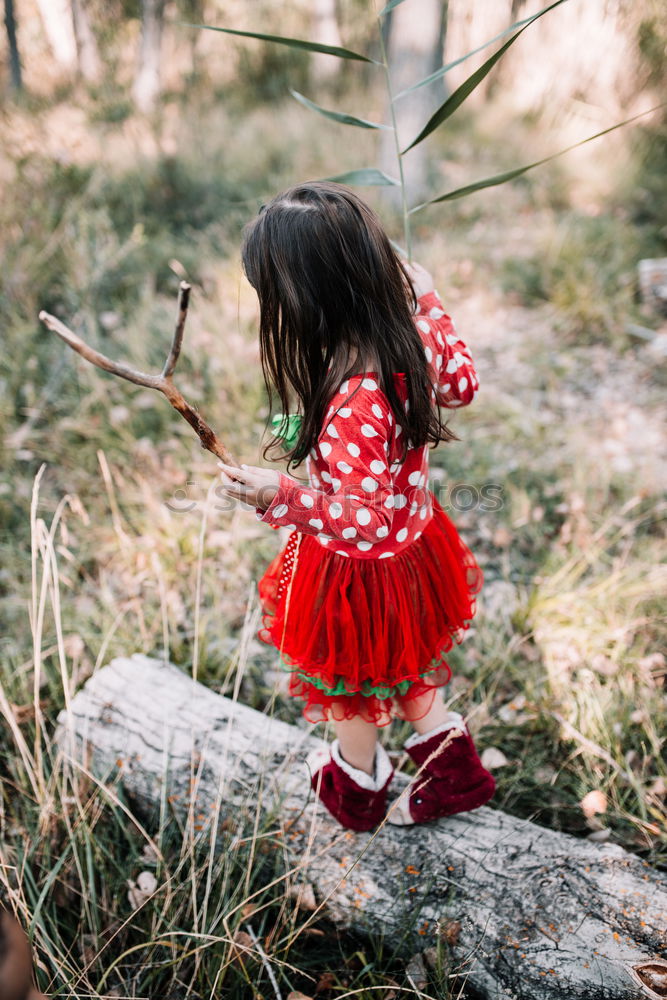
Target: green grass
{"points": [[592, 302]]}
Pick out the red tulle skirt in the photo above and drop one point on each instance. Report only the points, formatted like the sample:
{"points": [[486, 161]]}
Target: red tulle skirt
{"points": [[369, 637]]}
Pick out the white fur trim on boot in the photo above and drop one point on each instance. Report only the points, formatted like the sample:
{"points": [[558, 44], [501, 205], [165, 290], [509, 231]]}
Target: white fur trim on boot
{"points": [[382, 770], [317, 759], [455, 721], [399, 810]]}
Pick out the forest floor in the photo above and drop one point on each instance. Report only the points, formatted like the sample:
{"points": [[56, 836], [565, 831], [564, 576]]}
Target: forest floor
{"points": [[563, 673]]}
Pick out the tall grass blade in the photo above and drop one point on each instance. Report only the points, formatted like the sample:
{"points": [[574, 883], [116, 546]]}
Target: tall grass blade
{"points": [[509, 175], [455, 100], [389, 7], [336, 116], [445, 69], [293, 43], [365, 177]]}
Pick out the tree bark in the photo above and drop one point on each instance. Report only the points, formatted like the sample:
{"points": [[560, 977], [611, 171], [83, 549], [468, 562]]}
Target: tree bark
{"points": [[542, 914], [147, 84], [57, 20], [12, 43], [414, 50], [90, 64]]}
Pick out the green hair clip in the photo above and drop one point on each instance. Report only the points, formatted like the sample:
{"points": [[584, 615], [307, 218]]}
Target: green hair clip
{"points": [[287, 427]]}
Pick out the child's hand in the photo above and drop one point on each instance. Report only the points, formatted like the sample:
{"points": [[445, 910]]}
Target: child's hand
{"points": [[253, 485], [422, 281]]}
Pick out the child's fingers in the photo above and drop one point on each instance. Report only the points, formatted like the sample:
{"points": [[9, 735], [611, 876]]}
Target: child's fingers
{"points": [[235, 474], [236, 492]]}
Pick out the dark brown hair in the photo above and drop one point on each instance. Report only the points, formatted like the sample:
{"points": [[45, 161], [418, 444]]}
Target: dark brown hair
{"points": [[328, 280]]}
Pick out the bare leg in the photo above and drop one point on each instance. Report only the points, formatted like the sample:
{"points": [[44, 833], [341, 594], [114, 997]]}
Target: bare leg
{"points": [[436, 716], [357, 739]]}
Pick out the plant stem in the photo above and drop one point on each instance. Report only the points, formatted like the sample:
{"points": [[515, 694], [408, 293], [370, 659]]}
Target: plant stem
{"points": [[404, 197]]}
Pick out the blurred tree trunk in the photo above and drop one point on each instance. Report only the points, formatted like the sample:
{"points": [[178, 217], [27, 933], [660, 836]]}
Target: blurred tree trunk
{"points": [[325, 31], [147, 84], [415, 45], [14, 59], [90, 64], [57, 20], [194, 12]]}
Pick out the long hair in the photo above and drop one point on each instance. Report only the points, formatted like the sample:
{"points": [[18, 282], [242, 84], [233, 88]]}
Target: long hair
{"points": [[328, 280]]}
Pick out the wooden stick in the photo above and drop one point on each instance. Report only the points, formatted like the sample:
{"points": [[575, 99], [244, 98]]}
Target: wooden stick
{"points": [[163, 383]]}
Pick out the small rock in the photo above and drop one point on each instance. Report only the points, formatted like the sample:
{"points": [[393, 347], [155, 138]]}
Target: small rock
{"points": [[304, 894], [594, 802], [416, 972], [139, 891], [493, 758]]}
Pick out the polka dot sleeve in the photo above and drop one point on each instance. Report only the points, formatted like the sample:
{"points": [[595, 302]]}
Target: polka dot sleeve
{"points": [[353, 470], [454, 375]]}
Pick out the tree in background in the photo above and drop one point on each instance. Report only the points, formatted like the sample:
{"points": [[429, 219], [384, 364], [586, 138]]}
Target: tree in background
{"points": [[147, 83], [89, 63], [415, 42], [68, 28], [14, 59], [58, 24], [325, 30]]}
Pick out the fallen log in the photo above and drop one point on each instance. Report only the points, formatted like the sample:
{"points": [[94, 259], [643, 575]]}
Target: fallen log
{"points": [[528, 913]]}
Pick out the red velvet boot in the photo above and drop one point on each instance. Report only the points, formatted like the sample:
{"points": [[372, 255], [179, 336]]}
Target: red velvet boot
{"points": [[357, 800], [452, 779]]}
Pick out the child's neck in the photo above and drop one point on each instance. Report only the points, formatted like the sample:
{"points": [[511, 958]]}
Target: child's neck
{"points": [[358, 365]]}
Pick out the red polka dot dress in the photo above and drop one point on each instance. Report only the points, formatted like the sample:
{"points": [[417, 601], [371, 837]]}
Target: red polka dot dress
{"points": [[368, 595]]}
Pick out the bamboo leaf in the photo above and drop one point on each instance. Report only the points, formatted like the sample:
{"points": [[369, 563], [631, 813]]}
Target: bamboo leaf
{"points": [[293, 43], [336, 116], [445, 69], [365, 177], [510, 175], [456, 99], [390, 6]]}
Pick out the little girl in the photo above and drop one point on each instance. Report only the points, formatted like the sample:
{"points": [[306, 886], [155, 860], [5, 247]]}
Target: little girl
{"points": [[374, 584]]}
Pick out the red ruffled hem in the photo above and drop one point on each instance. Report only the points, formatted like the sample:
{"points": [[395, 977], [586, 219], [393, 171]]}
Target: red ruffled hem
{"points": [[379, 622], [414, 704]]}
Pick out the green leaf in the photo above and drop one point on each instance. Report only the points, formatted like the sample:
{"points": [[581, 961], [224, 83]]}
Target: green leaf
{"points": [[389, 6], [336, 116], [509, 175], [365, 177], [293, 43], [445, 69], [455, 100]]}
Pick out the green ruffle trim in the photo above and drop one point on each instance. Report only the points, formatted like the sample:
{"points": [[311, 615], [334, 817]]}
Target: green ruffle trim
{"points": [[368, 690], [287, 427]]}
